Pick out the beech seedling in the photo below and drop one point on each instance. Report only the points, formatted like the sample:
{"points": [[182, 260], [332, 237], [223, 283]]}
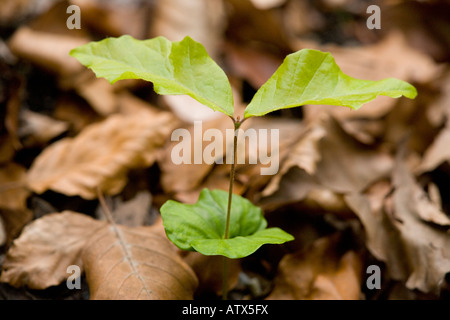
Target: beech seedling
{"points": [[220, 222]]}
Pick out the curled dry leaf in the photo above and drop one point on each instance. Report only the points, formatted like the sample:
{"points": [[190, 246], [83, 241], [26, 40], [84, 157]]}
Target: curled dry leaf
{"points": [[124, 263], [319, 273], [40, 256], [415, 251], [320, 161], [100, 155]]}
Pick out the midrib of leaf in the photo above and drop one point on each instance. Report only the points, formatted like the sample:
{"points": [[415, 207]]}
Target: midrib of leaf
{"points": [[129, 257], [312, 78]]}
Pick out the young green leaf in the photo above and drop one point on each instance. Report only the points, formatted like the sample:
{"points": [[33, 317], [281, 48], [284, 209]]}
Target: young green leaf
{"points": [[201, 226], [175, 68], [313, 77]]}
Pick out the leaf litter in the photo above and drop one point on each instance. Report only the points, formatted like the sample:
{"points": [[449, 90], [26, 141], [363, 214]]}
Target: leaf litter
{"points": [[356, 188]]}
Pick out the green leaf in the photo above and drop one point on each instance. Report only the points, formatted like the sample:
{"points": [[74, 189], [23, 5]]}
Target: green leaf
{"points": [[201, 226], [313, 77], [175, 68]]}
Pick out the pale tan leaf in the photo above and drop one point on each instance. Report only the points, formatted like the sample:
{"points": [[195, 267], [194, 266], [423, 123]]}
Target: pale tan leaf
{"points": [[100, 156], [267, 4], [50, 51], [189, 110], [319, 273], [40, 256], [123, 263]]}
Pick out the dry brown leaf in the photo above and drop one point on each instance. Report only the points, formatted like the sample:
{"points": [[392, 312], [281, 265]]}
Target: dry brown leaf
{"points": [[12, 11], [189, 110], [123, 263], [263, 27], [131, 213], [13, 195], [75, 111], [100, 95], [256, 66], [424, 23], [12, 96], [202, 20], [437, 153], [414, 251], [130, 104], [326, 161], [348, 165], [115, 18], [185, 177], [267, 4], [53, 19], [14, 221], [40, 256], [319, 273], [209, 272], [187, 180], [7, 149], [304, 154], [47, 50], [101, 155], [2, 232], [37, 129]]}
